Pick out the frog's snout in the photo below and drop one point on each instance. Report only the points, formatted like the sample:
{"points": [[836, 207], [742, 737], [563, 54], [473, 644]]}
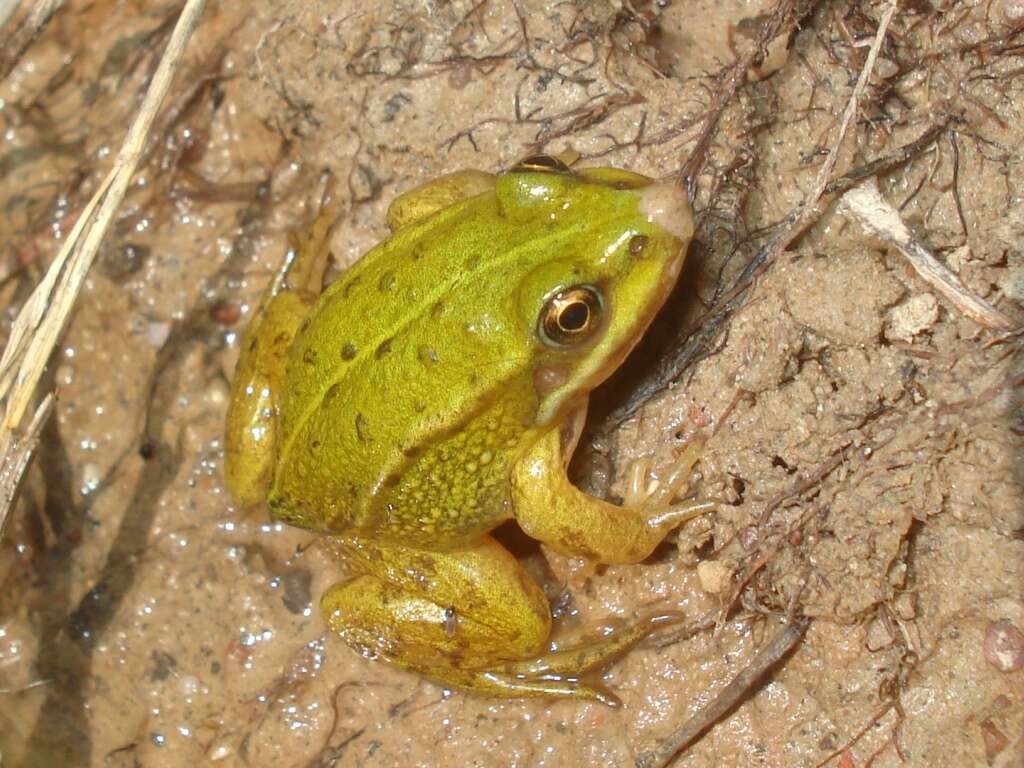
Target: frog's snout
{"points": [[667, 206]]}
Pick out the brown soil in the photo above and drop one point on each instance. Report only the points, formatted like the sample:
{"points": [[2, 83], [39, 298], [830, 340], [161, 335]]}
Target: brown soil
{"points": [[863, 435]]}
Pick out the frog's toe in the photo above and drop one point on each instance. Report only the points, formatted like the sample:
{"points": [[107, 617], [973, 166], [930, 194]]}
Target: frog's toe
{"points": [[593, 655], [571, 672], [552, 686]]}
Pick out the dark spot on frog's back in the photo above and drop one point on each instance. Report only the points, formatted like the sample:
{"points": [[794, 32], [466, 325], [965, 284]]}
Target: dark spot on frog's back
{"points": [[387, 282], [363, 429], [383, 349], [350, 286], [637, 245], [349, 351], [333, 393], [309, 356]]}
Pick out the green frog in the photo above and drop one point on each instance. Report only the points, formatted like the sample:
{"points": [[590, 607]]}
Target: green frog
{"points": [[437, 389]]}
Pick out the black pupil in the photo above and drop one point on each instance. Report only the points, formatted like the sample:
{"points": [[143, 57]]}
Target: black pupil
{"points": [[574, 317]]}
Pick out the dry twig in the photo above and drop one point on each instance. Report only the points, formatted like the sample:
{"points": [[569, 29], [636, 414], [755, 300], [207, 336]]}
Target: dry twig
{"points": [[808, 209], [728, 697], [866, 204], [783, 19], [44, 317], [791, 635], [798, 220]]}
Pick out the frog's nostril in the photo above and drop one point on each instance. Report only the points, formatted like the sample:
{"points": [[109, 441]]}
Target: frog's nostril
{"points": [[666, 206]]}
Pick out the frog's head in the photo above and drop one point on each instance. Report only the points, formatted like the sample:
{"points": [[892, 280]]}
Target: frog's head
{"points": [[605, 249]]}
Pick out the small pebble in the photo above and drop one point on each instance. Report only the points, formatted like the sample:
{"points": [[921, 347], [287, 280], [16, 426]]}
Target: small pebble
{"points": [[1004, 646], [885, 68], [226, 313], [878, 636], [995, 740], [1013, 10], [157, 332], [916, 314], [956, 258], [714, 576], [905, 606], [749, 538]]}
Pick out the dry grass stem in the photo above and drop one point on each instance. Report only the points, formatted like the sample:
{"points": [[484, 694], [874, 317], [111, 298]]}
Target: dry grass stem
{"points": [[7, 9], [21, 450], [809, 208], [42, 320], [866, 204]]}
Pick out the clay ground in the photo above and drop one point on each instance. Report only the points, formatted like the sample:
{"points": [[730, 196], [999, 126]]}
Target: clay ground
{"points": [[862, 434]]}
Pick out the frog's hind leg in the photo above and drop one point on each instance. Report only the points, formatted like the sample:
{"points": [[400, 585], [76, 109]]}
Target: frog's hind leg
{"points": [[422, 202], [470, 618], [250, 432]]}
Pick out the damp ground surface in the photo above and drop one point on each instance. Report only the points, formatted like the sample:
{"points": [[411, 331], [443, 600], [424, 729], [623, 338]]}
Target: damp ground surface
{"points": [[863, 436]]}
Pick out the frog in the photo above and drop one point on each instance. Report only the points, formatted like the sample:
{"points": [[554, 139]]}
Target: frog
{"points": [[436, 390]]}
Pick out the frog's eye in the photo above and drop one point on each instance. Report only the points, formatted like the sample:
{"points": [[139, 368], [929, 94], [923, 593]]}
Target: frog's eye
{"points": [[570, 316], [540, 164]]}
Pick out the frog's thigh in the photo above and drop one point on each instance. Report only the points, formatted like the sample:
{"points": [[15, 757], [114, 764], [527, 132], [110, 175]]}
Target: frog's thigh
{"points": [[471, 619], [251, 427], [550, 509], [428, 610], [427, 199]]}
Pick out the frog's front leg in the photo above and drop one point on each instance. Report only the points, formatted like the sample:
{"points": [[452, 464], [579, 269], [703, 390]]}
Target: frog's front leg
{"points": [[469, 618], [251, 429], [552, 510]]}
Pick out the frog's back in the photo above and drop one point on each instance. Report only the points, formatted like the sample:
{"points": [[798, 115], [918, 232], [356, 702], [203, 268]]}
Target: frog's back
{"points": [[392, 411]]}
